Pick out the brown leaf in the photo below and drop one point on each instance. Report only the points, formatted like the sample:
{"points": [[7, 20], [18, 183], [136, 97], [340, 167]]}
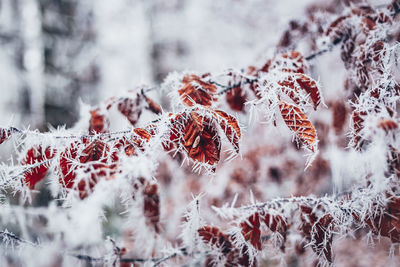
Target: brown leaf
{"points": [[151, 205], [195, 90], [153, 106], [131, 108], [318, 230], [93, 161], [386, 221], [298, 123], [310, 86], [277, 223], [292, 61], [251, 230], [358, 121], [230, 126], [213, 236], [388, 125], [236, 98], [198, 135], [99, 123]]}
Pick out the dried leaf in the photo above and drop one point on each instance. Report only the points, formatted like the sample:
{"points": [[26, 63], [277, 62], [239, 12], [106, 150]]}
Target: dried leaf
{"points": [[198, 135], [35, 156], [310, 86], [93, 160], [277, 224], [99, 123], [230, 126], [251, 230], [292, 61], [318, 231], [151, 205], [386, 221], [153, 106], [195, 90], [214, 237], [298, 123], [388, 125], [131, 108], [236, 98]]}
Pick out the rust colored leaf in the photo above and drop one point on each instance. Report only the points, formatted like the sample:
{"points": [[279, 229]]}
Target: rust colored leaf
{"points": [[236, 98], [310, 86], [292, 61], [153, 106], [358, 121], [277, 223], [251, 230], [337, 29], [131, 108], [339, 116], [198, 135], [388, 125], [318, 230], [386, 222], [36, 156], [92, 160], [213, 236], [151, 205], [99, 123], [195, 90], [230, 126], [298, 123]]}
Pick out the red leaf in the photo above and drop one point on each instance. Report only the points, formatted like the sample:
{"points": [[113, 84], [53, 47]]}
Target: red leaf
{"points": [[298, 123], [153, 106], [198, 135], [386, 222], [93, 161], [151, 205], [99, 123], [251, 230], [230, 126], [291, 61], [195, 90], [310, 86], [213, 236], [388, 125], [358, 121], [317, 229], [131, 108], [35, 156], [277, 224], [236, 98]]}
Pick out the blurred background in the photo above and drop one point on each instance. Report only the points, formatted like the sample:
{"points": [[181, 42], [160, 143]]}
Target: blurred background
{"points": [[54, 53]]}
